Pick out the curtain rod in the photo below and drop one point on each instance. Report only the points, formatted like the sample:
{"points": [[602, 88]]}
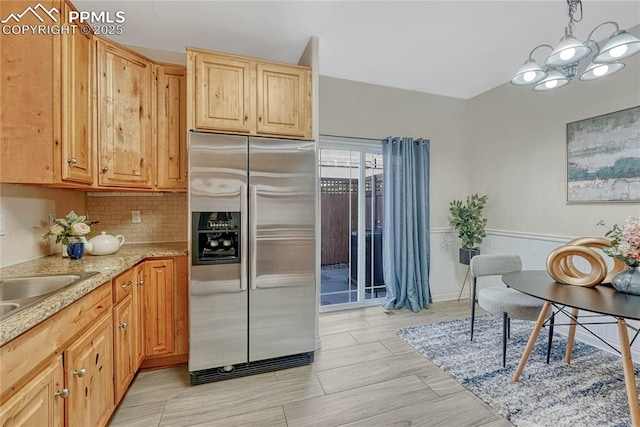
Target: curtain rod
{"points": [[352, 137]]}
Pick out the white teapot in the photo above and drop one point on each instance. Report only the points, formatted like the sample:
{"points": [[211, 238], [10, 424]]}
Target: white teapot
{"points": [[104, 244]]}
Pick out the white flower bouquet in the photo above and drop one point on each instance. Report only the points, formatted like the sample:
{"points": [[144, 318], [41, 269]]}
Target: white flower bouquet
{"points": [[68, 230]]}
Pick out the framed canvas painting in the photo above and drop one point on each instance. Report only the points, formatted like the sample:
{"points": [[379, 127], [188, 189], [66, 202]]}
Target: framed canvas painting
{"points": [[603, 158]]}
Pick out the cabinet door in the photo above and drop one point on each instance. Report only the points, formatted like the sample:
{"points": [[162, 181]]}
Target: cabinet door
{"points": [[89, 374], [125, 351], [138, 308], [223, 94], [124, 117], [39, 402], [283, 100], [171, 129], [77, 106], [30, 88], [159, 307]]}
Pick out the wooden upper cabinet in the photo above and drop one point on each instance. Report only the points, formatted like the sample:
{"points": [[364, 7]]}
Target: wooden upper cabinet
{"points": [[223, 96], [283, 100], [77, 161], [46, 81], [171, 128], [124, 117], [234, 94]]}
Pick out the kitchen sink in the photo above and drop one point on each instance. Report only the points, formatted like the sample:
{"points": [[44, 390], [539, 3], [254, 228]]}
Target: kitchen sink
{"points": [[18, 293]]}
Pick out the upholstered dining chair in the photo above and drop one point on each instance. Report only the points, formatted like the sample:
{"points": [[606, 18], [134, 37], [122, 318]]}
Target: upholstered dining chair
{"points": [[511, 303]]}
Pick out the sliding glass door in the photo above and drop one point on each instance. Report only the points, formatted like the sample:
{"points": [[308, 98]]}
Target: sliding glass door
{"points": [[351, 225]]}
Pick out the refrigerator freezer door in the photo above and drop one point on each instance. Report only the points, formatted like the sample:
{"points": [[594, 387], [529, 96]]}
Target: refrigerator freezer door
{"points": [[217, 171], [218, 293], [282, 294]]}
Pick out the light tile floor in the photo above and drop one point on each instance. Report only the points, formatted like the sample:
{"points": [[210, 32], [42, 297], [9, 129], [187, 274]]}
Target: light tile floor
{"points": [[364, 375]]}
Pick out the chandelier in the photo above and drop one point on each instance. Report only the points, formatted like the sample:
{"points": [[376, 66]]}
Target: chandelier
{"points": [[562, 64]]}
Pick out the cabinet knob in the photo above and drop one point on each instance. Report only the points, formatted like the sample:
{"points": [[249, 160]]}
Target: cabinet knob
{"points": [[246, 117], [123, 325], [105, 169], [260, 118], [64, 393], [80, 373], [72, 161], [126, 285], [140, 282]]}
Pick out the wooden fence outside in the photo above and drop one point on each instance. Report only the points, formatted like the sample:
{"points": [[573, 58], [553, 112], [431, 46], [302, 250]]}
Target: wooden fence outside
{"points": [[339, 201]]}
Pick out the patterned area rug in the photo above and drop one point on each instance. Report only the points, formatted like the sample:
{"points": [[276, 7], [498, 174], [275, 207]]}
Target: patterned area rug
{"points": [[588, 392]]}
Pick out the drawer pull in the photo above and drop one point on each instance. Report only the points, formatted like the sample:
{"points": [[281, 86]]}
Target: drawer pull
{"points": [[72, 161], [123, 325], [125, 286], [64, 393], [81, 373], [140, 282]]}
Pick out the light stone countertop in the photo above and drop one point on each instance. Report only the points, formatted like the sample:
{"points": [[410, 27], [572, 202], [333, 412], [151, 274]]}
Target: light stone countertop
{"points": [[107, 266]]}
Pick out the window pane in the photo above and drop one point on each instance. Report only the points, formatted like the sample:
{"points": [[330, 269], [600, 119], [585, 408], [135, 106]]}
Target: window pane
{"points": [[339, 217]]}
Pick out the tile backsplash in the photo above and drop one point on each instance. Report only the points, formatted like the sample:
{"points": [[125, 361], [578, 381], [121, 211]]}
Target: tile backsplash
{"points": [[163, 215]]}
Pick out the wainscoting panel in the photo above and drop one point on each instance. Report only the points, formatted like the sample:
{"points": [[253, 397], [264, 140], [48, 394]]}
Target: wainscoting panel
{"points": [[533, 249]]}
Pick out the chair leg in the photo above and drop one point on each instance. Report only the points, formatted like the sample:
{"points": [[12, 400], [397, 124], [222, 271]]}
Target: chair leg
{"points": [[508, 328], [473, 305], [505, 327], [551, 324]]}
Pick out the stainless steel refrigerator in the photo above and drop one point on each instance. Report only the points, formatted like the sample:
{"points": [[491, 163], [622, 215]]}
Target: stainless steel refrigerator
{"points": [[252, 277]]}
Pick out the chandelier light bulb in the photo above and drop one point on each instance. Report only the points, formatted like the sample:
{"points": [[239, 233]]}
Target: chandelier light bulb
{"points": [[529, 76], [601, 70], [618, 51], [567, 54], [551, 84]]}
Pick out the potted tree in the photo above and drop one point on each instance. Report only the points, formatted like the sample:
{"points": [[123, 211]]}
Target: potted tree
{"points": [[467, 220]]}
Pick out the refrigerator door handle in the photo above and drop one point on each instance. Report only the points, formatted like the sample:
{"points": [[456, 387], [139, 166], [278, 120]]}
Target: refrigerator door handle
{"points": [[245, 235], [254, 238]]}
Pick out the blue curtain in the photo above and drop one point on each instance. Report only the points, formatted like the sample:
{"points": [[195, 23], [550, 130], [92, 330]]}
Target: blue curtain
{"points": [[405, 238]]}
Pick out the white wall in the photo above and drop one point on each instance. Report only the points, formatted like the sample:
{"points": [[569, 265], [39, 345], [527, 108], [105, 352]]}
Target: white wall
{"points": [[26, 211]]}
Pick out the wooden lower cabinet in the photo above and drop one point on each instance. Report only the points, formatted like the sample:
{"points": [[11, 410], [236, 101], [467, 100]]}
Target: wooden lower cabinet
{"points": [[138, 309], [89, 375], [165, 300], [159, 307], [74, 368], [125, 352], [40, 402]]}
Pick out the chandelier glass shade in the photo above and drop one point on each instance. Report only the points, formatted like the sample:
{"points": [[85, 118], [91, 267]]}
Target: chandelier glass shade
{"points": [[564, 62]]}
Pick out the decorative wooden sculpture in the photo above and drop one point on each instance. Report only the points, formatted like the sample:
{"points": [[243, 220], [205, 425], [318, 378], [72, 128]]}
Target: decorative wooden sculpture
{"points": [[561, 267]]}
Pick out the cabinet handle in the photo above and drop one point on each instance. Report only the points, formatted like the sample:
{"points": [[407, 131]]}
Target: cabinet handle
{"points": [[81, 373], [125, 286], [72, 161], [140, 282], [123, 325], [105, 169], [260, 118], [64, 393], [246, 117]]}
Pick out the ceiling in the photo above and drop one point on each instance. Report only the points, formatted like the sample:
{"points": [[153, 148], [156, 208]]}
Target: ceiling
{"points": [[452, 48]]}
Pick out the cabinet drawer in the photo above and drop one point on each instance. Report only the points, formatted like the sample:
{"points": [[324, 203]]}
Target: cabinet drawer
{"points": [[123, 285]]}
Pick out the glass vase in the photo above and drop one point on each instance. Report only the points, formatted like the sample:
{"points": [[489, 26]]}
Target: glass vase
{"points": [[627, 281]]}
